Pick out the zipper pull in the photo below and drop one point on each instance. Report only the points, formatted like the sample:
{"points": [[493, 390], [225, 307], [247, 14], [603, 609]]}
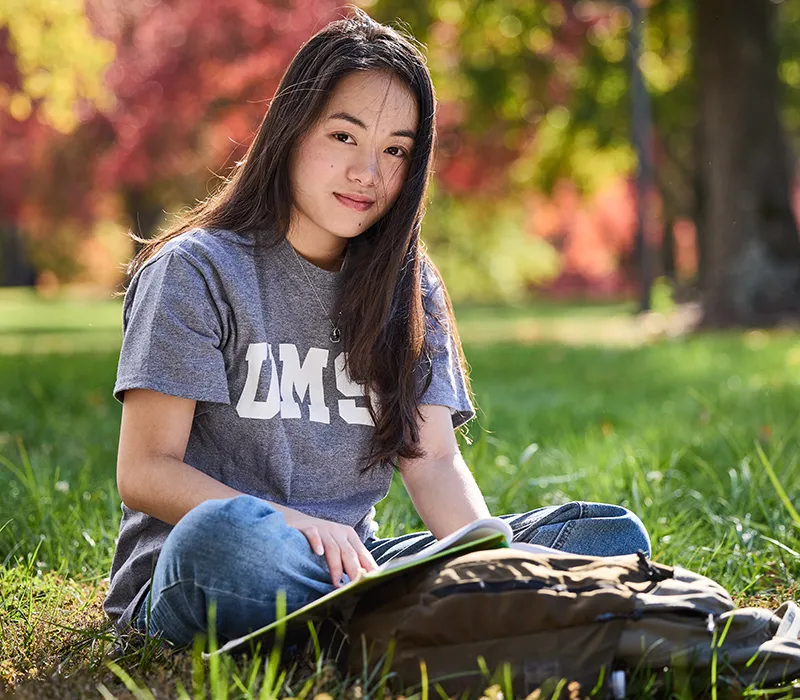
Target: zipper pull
{"points": [[652, 572], [635, 615]]}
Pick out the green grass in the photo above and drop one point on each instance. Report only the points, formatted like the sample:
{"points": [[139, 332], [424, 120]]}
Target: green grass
{"points": [[698, 435], [31, 325]]}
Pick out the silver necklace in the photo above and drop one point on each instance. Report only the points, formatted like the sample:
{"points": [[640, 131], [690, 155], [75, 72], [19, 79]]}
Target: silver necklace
{"points": [[336, 334]]}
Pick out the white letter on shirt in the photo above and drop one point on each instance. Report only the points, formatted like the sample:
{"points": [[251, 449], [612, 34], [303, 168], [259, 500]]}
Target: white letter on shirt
{"points": [[347, 407], [308, 377], [248, 407]]}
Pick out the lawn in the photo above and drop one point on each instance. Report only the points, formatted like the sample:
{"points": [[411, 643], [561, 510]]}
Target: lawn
{"points": [[696, 434]]}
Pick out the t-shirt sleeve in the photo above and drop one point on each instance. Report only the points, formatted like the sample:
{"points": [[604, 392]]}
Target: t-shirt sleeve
{"points": [[172, 334], [448, 385]]}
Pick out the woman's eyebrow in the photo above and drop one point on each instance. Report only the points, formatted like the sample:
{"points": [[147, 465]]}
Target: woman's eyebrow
{"points": [[346, 116]]}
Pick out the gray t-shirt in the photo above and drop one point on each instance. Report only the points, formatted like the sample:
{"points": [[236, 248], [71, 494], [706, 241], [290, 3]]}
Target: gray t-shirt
{"points": [[277, 416]]}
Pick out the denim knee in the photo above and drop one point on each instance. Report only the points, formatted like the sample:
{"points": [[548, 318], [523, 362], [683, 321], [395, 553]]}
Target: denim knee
{"points": [[212, 532], [629, 532], [637, 535], [238, 551], [594, 529]]}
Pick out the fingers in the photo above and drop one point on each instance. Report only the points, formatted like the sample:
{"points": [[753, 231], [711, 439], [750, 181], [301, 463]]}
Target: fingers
{"points": [[315, 540], [333, 555], [345, 553], [365, 559], [350, 559]]}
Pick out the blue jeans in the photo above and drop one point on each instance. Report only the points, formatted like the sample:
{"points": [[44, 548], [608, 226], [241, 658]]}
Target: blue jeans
{"points": [[240, 552]]}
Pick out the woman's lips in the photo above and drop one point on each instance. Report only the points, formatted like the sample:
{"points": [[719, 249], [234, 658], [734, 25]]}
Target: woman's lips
{"points": [[352, 203]]}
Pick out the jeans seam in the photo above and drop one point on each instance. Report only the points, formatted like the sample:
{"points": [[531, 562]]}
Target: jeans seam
{"points": [[164, 590], [252, 600], [148, 618], [560, 540], [176, 620], [304, 599], [189, 607], [530, 529]]}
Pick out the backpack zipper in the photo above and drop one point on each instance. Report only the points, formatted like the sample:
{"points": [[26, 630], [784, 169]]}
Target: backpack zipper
{"points": [[535, 584], [638, 613], [512, 585], [653, 574]]}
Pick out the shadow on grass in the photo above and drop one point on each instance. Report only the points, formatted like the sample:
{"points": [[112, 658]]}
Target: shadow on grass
{"points": [[667, 429]]}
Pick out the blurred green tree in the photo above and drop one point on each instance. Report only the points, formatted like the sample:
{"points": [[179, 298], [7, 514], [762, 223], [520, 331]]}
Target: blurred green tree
{"points": [[538, 91], [482, 247]]}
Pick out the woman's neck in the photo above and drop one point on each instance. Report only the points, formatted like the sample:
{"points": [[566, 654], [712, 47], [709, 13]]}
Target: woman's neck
{"points": [[329, 255]]}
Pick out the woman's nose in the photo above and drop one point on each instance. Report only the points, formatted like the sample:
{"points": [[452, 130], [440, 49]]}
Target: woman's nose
{"points": [[365, 169]]}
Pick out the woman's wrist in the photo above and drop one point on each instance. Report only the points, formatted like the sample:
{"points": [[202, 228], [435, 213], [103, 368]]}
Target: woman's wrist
{"points": [[289, 514]]}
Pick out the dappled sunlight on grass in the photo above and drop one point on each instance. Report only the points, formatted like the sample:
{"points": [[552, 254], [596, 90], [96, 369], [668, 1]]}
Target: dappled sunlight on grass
{"points": [[25, 310], [579, 324], [30, 324], [698, 434]]}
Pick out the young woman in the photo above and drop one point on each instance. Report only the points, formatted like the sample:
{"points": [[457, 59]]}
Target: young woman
{"points": [[289, 345]]}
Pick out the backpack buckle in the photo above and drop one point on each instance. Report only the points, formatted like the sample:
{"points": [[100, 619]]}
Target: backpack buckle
{"points": [[653, 574]]}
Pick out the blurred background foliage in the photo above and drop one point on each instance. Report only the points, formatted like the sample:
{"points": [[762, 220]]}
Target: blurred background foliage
{"points": [[115, 115], [59, 58], [483, 249]]}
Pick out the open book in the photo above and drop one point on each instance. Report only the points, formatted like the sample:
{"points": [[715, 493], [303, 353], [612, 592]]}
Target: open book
{"points": [[486, 533]]}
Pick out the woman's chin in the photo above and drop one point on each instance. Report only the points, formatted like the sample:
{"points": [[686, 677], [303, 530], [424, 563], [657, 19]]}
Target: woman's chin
{"points": [[348, 232]]}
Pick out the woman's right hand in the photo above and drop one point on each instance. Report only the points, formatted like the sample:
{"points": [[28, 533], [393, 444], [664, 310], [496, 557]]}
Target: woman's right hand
{"points": [[343, 549]]}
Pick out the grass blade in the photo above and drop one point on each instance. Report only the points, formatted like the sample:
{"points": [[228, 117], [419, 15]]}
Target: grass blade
{"points": [[777, 484]]}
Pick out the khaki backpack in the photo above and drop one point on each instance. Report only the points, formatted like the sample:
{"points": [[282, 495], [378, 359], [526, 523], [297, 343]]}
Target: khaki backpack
{"points": [[563, 616]]}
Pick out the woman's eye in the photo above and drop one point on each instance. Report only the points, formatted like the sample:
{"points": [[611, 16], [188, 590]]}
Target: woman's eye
{"points": [[341, 137]]}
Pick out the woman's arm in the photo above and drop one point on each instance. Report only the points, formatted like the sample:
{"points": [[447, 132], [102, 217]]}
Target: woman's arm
{"points": [[153, 478], [151, 474], [440, 484]]}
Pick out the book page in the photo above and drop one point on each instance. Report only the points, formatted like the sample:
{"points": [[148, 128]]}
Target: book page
{"points": [[476, 530], [535, 548], [484, 533]]}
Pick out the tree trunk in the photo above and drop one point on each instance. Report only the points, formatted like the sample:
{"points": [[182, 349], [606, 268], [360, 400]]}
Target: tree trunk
{"points": [[16, 269], [700, 213], [668, 249], [751, 266]]}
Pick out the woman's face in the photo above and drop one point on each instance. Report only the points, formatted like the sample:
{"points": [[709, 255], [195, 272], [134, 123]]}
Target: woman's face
{"points": [[361, 149]]}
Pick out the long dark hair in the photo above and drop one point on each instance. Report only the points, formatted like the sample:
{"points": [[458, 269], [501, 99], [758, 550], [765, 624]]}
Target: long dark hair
{"points": [[382, 321]]}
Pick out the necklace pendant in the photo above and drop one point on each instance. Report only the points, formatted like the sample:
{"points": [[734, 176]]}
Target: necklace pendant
{"points": [[336, 335]]}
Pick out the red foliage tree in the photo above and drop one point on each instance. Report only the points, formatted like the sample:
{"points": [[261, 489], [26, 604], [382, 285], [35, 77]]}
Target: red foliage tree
{"points": [[191, 81]]}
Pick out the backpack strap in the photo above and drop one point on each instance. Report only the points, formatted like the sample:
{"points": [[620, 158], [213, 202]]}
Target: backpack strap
{"points": [[790, 622]]}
